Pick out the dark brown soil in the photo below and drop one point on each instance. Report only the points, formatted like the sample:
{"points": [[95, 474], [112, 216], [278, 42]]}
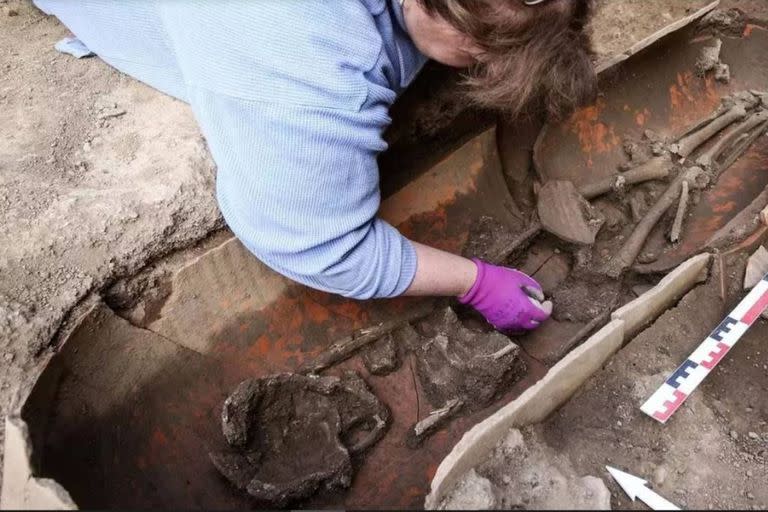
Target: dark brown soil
{"points": [[580, 301], [290, 435], [454, 361]]}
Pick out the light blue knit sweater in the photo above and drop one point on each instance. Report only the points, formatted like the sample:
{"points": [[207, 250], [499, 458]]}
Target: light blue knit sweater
{"points": [[292, 97]]}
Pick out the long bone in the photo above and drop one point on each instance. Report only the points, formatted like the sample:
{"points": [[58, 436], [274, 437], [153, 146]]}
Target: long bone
{"points": [[634, 244], [654, 169], [742, 145], [690, 143], [709, 157], [682, 208]]}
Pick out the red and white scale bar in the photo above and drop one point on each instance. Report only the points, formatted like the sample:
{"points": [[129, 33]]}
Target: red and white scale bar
{"points": [[676, 389]]}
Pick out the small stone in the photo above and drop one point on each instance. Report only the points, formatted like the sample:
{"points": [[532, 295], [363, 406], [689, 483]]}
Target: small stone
{"points": [[750, 496], [647, 257], [472, 493], [734, 435], [659, 475], [753, 435], [9, 357], [750, 474], [506, 479]]}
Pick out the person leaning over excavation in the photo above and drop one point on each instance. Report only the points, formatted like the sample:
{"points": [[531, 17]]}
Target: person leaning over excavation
{"points": [[292, 97]]}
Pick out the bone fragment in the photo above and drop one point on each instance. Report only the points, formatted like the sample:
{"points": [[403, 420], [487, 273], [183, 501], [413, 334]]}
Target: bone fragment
{"points": [[690, 143], [742, 145], [654, 169], [434, 421], [585, 331], [730, 137], [634, 244], [347, 347], [741, 226], [682, 208], [723, 72], [762, 97], [709, 57], [637, 205]]}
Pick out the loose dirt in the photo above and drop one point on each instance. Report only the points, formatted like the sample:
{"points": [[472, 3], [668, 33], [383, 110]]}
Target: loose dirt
{"points": [[623, 23], [525, 474]]}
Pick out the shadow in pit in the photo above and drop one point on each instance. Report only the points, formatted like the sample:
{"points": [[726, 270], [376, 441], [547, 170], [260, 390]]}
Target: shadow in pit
{"points": [[133, 417]]}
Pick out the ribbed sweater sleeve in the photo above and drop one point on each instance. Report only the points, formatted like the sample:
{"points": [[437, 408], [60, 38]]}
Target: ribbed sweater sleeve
{"points": [[300, 188], [292, 97]]}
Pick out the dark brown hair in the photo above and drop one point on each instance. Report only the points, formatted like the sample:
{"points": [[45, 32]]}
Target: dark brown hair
{"points": [[535, 58]]}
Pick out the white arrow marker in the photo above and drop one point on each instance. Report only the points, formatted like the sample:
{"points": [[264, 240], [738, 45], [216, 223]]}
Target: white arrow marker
{"points": [[636, 488]]}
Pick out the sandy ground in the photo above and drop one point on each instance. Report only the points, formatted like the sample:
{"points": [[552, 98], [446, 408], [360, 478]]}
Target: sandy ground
{"points": [[626, 22], [98, 175], [711, 454]]}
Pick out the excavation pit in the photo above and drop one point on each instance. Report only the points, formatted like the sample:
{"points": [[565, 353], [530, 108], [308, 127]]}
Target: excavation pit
{"points": [[125, 414]]}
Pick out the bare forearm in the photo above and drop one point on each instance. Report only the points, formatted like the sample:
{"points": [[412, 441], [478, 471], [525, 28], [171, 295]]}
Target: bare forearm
{"points": [[440, 273]]}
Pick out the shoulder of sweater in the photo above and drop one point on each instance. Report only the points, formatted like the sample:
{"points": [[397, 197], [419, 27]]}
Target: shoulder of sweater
{"points": [[310, 53]]}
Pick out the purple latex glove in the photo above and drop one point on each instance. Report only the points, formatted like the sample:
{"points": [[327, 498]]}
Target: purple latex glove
{"points": [[510, 300]]}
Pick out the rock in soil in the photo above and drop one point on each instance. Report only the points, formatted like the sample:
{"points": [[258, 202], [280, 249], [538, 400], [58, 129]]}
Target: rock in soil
{"points": [[473, 493], [291, 435], [380, 357], [456, 362], [525, 473], [757, 267]]}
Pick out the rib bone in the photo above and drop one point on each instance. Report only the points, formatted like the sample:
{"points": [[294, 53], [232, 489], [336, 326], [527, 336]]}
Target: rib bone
{"points": [[732, 135], [689, 143], [742, 145]]}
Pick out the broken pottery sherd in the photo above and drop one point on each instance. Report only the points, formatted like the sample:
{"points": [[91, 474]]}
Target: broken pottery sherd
{"points": [[565, 213]]}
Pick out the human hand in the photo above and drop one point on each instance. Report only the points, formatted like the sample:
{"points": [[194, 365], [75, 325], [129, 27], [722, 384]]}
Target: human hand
{"points": [[510, 300]]}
